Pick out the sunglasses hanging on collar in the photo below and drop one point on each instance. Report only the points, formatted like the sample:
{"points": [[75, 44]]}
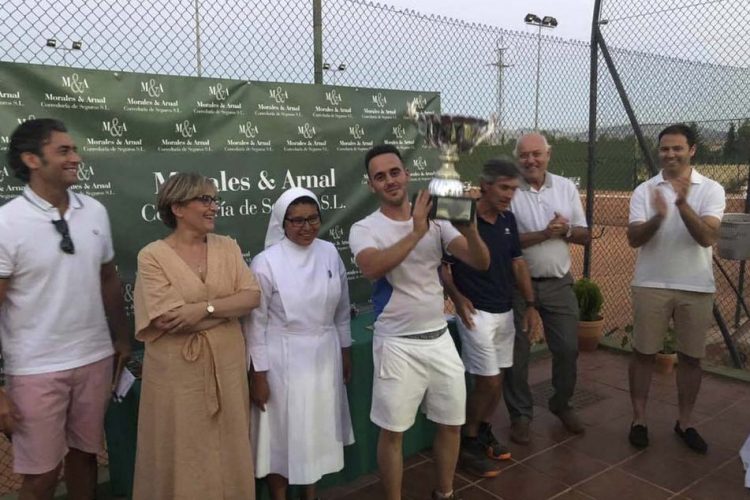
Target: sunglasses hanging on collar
{"points": [[66, 244]]}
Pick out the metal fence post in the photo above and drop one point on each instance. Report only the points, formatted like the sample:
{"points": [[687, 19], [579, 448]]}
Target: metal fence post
{"points": [[591, 166], [198, 62], [317, 42]]}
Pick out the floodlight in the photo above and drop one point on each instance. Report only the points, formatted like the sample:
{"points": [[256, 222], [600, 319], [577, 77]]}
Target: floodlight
{"points": [[532, 19]]}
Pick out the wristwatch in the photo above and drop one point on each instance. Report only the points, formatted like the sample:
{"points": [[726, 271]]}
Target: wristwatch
{"points": [[210, 308], [530, 303]]}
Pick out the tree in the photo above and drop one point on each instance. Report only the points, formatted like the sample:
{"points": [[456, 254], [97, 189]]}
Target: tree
{"points": [[701, 151], [743, 142], [729, 151]]}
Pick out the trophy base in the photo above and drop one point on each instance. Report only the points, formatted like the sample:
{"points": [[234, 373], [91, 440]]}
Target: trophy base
{"points": [[460, 210]]}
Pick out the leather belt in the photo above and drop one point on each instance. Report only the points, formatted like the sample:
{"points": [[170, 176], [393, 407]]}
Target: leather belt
{"points": [[426, 335]]}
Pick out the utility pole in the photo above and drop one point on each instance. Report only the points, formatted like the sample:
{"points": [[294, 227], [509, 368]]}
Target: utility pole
{"points": [[500, 65]]}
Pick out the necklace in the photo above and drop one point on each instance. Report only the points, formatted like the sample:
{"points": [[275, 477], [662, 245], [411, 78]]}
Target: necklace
{"points": [[188, 256]]}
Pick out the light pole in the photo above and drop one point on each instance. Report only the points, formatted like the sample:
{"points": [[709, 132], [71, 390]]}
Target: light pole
{"points": [[339, 68], [545, 22]]}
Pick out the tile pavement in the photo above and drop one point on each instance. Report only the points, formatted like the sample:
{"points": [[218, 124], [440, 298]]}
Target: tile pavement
{"points": [[601, 464]]}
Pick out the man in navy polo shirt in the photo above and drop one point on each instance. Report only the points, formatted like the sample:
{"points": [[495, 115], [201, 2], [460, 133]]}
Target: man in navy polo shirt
{"points": [[484, 305]]}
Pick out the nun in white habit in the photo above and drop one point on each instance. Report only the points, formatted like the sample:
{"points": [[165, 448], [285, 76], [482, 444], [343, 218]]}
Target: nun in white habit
{"points": [[298, 343]]}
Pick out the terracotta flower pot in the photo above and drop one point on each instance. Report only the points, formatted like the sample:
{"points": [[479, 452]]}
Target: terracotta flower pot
{"points": [[589, 334], [665, 362]]}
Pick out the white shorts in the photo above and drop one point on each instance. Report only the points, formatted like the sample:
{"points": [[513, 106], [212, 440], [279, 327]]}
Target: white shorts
{"points": [[413, 372], [489, 346]]}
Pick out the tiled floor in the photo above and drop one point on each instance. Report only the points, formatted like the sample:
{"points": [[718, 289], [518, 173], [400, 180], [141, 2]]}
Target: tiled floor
{"points": [[601, 464]]}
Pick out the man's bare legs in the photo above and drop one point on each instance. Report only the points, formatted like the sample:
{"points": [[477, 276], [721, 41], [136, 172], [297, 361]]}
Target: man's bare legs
{"points": [[39, 486], [391, 462]]}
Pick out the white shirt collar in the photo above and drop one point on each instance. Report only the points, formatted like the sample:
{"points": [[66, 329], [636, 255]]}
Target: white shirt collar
{"points": [[42, 204], [547, 184], [695, 177]]}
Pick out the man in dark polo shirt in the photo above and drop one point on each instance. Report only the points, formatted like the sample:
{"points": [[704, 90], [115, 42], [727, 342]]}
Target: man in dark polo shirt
{"points": [[484, 306]]}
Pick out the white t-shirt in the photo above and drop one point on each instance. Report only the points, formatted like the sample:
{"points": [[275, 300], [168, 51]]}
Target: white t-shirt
{"points": [[52, 318], [409, 298], [672, 258], [534, 209]]}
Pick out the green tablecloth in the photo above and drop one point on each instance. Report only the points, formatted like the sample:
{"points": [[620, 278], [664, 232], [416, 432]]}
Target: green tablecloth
{"points": [[121, 424]]}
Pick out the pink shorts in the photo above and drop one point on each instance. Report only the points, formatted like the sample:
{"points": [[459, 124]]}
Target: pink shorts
{"points": [[58, 410]]}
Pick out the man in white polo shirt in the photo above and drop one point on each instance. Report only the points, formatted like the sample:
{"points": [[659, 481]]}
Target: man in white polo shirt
{"points": [[57, 280], [674, 220], [416, 362], [550, 216]]}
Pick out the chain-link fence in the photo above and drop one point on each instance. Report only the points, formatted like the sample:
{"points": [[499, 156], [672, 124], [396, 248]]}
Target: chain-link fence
{"points": [[678, 61], [683, 60]]}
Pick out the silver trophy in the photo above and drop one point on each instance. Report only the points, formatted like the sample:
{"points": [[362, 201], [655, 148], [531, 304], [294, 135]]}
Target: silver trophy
{"points": [[452, 135]]}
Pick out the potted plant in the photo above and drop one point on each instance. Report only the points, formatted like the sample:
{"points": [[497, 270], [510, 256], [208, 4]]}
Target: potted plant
{"points": [[590, 321], [666, 358]]}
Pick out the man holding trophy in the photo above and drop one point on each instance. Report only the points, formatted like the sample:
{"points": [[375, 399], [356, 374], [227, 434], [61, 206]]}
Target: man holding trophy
{"points": [[400, 248]]}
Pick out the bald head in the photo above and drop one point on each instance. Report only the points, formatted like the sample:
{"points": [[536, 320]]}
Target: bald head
{"points": [[533, 154], [534, 138]]}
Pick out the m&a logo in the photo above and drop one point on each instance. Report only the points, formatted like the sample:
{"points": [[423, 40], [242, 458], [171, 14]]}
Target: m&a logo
{"points": [[186, 129], [336, 233], [279, 95], [128, 291], [420, 102], [399, 132], [152, 88], [248, 130], [115, 127], [85, 172], [379, 100], [356, 131], [419, 163], [333, 97], [4, 173], [218, 92], [307, 131], [22, 119], [75, 83]]}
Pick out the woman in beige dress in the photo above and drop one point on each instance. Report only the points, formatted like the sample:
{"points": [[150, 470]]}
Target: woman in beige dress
{"points": [[191, 288]]}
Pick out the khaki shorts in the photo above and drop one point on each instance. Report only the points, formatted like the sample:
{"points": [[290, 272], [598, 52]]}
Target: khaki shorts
{"points": [[690, 312]]}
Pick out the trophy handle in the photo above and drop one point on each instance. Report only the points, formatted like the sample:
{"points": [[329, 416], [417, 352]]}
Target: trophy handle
{"points": [[488, 132]]}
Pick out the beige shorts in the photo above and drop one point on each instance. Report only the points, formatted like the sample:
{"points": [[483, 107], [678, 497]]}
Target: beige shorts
{"points": [[410, 373], [690, 312]]}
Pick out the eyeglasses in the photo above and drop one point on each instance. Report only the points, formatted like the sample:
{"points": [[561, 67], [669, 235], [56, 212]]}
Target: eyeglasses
{"points": [[66, 244], [298, 222], [206, 199]]}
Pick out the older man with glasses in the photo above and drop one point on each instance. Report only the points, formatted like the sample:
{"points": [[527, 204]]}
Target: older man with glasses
{"points": [[60, 297]]}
